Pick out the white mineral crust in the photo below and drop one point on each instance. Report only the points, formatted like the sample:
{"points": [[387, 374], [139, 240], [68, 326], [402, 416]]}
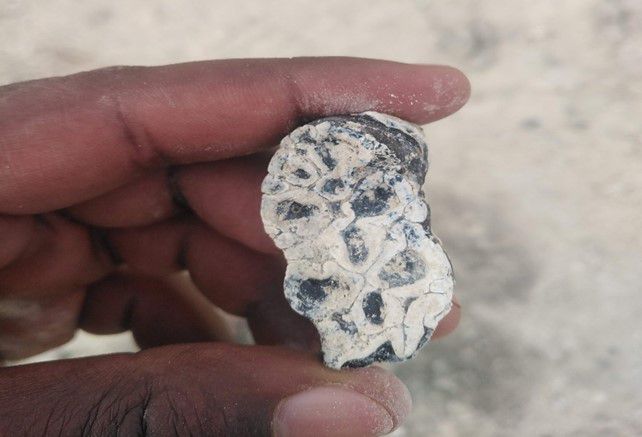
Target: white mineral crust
{"points": [[343, 199]]}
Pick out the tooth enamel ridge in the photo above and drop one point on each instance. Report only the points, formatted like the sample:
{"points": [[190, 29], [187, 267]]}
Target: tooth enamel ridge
{"points": [[343, 199]]}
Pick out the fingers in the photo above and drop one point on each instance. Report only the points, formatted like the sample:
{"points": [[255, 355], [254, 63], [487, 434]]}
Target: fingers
{"points": [[50, 261], [207, 389], [273, 322], [157, 311], [31, 326], [66, 140], [235, 278], [249, 284], [231, 275], [156, 250], [227, 196], [60, 255], [144, 201]]}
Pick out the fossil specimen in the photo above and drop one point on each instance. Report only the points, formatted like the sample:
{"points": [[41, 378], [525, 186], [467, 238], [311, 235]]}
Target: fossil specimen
{"points": [[343, 199]]}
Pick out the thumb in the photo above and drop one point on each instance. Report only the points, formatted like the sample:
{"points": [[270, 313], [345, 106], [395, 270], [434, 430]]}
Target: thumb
{"points": [[200, 389]]}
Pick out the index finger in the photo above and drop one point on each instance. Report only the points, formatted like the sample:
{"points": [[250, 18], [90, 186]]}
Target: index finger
{"points": [[65, 140]]}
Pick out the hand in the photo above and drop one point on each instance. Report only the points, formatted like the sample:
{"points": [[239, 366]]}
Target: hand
{"points": [[111, 181]]}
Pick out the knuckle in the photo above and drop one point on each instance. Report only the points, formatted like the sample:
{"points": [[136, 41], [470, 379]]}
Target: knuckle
{"points": [[176, 413], [200, 404], [120, 410]]}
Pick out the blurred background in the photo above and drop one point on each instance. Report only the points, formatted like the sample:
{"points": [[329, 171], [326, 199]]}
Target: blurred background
{"points": [[536, 185]]}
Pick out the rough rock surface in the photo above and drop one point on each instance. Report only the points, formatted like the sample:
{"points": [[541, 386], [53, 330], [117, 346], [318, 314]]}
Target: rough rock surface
{"points": [[343, 200]]}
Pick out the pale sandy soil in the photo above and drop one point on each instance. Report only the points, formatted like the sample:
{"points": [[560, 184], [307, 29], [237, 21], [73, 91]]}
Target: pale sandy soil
{"points": [[536, 185]]}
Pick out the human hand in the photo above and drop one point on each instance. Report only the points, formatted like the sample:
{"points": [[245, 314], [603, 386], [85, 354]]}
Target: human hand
{"points": [[112, 181]]}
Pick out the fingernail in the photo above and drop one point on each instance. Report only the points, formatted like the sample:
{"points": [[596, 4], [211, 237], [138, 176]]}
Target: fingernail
{"points": [[330, 411]]}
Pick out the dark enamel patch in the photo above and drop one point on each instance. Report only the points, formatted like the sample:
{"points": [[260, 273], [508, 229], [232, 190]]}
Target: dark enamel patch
{"points": [[305, 137], [371, 202], [372, 305], [301, 174], [404, 268], [383, 353], [425, 338], [405, 148], [346, 326], [292, 210], [332, 185], [411, 234], [357, 250], [314, 291], [411, 154], [326, 158]]}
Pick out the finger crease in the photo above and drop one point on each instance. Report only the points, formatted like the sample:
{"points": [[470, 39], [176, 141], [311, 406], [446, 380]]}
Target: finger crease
{"points": [[143, 154], [100, 241], [178, 198], [301, 104], [128, 312], [181, 255]]}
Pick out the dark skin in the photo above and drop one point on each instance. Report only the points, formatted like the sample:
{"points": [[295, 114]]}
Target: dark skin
{"points": [[114, 180]]}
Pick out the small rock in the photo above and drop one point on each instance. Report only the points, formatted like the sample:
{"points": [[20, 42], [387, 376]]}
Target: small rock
{"points": [[343, 199]]}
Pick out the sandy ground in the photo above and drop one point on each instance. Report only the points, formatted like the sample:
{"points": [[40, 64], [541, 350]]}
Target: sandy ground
{"points": [[536, 185]]}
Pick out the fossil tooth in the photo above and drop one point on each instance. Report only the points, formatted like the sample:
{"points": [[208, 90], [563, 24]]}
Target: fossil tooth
{"points": [[343, 199]]}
